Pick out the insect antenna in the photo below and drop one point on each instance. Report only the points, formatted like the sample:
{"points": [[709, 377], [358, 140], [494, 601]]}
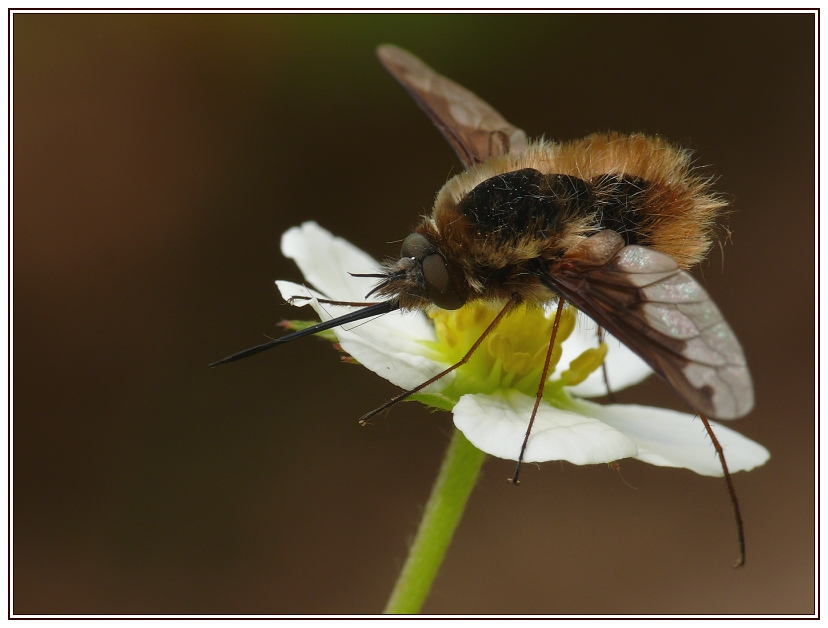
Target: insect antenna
{"points": [[539, 395], [405, 395], [386, 279], [731, 489], [366, 312]]}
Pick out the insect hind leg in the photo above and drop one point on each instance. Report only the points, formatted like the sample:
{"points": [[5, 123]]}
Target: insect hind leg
{"points": [[539, 395], [731, 489], [610, 394]]}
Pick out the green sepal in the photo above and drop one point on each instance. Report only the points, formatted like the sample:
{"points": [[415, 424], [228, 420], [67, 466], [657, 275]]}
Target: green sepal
{"points": [[434, 400]]}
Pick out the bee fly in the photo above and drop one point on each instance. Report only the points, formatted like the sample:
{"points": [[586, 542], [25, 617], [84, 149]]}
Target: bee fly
{"points": [[609, 223]]}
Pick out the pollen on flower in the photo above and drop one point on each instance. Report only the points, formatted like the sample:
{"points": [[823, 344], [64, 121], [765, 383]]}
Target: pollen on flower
{"points": [[512, 356]]}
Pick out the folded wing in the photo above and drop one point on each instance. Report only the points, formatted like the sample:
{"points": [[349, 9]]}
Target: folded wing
{"points": [[473, 128], [660, 311]]}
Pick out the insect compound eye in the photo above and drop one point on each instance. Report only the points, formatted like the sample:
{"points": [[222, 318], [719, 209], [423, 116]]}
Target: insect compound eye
{"points": [[438, 283], [416, 245]]}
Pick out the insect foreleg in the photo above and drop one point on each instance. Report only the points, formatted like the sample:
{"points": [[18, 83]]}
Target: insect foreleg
{"points": [[292, 301], [403, 396]]}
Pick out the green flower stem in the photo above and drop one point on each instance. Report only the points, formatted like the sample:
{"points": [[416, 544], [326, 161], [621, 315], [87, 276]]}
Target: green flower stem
{"points": [[442, 515]]}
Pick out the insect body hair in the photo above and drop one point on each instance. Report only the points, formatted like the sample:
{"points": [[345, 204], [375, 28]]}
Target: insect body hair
{"points": [[497, 225], [674, 208]]}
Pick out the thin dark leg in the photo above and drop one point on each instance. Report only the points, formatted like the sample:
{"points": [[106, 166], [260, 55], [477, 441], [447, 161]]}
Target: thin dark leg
{"points": [[329, 302], [610, 395], [539, 394], [730, 489], [401, 397]]}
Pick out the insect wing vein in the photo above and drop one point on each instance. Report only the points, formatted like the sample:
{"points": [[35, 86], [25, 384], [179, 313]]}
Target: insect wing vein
{"points": [[669, 320]]}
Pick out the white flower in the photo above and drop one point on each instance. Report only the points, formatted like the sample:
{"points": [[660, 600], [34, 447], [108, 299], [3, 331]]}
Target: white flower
{"points": [[492, 396]]}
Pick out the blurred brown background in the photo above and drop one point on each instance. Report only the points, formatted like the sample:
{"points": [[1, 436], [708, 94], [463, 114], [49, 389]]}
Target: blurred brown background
{"points": [[158, 159]]}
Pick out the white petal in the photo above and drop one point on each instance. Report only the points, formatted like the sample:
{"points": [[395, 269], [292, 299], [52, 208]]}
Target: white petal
{"points": [[325, 260], [389, 345], [497, 425], [624, 368], [675, 439]]}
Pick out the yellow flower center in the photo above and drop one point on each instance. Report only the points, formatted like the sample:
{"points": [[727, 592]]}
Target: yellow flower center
{"points": [[512, 355]]}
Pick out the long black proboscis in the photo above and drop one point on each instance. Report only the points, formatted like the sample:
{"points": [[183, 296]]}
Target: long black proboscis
{"points": [[358, 315]]}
